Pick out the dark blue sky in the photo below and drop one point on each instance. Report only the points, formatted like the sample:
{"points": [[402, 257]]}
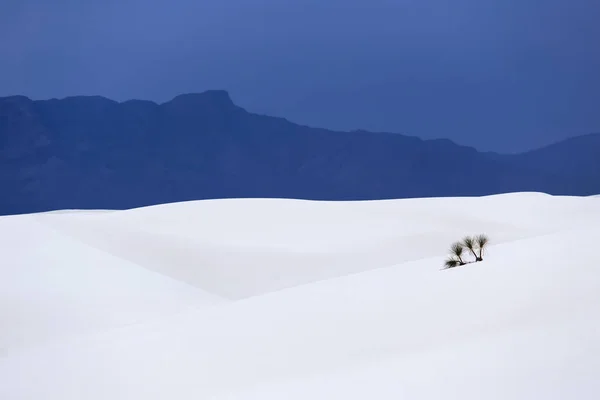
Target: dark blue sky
{"points": [[502, 75]]}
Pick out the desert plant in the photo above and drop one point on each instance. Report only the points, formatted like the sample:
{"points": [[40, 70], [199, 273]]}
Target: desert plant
{"points": [[451, 262], [470, 244], [482, 242], [475, 245], [457, 251]]}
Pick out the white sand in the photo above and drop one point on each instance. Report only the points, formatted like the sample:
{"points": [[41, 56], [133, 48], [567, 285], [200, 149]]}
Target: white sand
{"points": [[283, 299]]}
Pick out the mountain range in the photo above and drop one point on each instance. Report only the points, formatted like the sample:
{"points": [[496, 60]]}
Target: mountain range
{"points": [[90, 152]]}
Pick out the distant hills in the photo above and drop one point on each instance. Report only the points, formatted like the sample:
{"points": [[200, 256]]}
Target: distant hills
{"points": [[95, 153]]}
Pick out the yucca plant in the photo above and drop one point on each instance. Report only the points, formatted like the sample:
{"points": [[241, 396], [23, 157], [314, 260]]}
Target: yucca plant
{"points": [[457, 250], [470, 244], [475, 245], [482, 242], [451, 262]]}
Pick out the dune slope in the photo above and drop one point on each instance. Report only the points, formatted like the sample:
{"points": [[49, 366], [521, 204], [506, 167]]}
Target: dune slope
{"points": [[272, 299]]}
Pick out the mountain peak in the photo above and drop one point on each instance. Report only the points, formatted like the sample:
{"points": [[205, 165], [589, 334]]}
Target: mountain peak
{"points": [[218, 98], [20, 100]]}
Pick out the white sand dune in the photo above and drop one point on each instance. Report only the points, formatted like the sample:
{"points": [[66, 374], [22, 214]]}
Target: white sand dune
{"points": [[53, 285], [285, 299]]}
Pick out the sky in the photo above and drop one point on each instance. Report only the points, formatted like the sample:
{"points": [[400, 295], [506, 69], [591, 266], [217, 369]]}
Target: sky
{"points": [[500, 75]]}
